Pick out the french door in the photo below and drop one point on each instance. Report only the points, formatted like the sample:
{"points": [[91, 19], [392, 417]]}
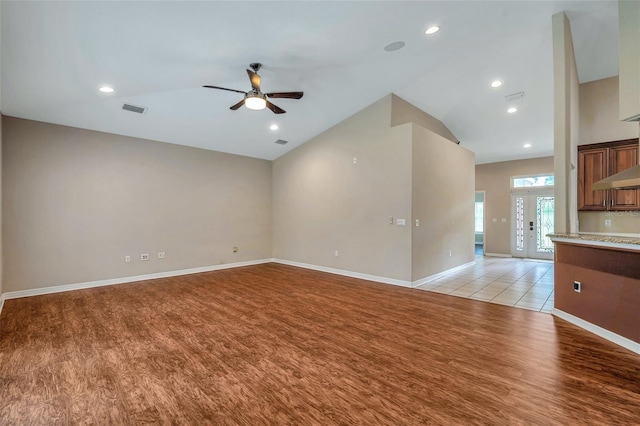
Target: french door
{"points": [[532, 213]]}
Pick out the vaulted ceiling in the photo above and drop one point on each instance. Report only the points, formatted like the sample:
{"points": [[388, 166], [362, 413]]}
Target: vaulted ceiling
{"points": [[55, 55]]}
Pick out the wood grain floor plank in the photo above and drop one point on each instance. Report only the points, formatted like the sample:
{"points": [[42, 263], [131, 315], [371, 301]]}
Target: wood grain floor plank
{"points": [[274, 344]]}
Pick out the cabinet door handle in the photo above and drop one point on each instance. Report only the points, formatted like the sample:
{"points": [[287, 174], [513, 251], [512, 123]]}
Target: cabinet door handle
{"points": [[604, 203], [611, 203]]}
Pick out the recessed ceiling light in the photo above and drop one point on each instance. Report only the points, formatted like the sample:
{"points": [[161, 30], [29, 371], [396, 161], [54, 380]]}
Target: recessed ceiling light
{"points": [[511, 110], [432, 30], [396, 45], [274, 127], [106, 89], [496, 83], [527, 145]]}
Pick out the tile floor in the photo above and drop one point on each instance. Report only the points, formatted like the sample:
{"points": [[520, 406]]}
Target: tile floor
{"points": [[521, 283]]}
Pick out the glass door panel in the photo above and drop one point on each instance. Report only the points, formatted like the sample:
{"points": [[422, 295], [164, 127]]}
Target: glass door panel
{"points": [[533, 219]]}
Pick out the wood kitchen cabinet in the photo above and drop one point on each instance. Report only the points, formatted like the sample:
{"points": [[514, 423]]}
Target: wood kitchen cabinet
{"points": [[598, 161]]}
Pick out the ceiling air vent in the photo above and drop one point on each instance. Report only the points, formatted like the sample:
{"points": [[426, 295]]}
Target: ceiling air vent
{"points": [[133, 108], [514, 97], [282, 142]]}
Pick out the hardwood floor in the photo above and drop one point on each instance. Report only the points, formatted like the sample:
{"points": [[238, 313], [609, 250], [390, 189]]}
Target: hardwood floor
{"points": [[274, 344]]}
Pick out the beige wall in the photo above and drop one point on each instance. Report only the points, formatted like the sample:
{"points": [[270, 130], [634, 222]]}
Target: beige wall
{"points": [[403, 112], [443, 201], [323, 202], [566, 127], [75, 202], [599, 122], [1, 243], [495, 180]]}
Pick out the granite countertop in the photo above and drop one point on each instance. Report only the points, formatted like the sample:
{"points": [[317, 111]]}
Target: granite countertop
{"points": [[599, 239]]}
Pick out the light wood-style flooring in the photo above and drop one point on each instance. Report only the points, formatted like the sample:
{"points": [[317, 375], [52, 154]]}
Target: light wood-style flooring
{"points": [[277, 345]]}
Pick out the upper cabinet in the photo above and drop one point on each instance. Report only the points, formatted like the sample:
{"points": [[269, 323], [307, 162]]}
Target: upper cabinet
{"points": [[629, 62], [598, 161]]}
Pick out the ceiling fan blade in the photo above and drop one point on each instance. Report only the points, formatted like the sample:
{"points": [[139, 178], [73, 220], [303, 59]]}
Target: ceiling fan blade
{"points": [[224, 88], [288, 95], [276, 109], [255, 79], [238, 105]]}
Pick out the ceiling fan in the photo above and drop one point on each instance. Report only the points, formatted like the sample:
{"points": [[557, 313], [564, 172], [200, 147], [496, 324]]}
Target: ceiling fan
{"points": [[255, 99]]}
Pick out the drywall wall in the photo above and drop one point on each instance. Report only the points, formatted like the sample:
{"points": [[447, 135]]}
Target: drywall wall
{"points": [[345, 190], [566, 125], [599, 122], [76, 202], [443, 194], [403, 112], [1, 244], [495, 180], [338, 191]]}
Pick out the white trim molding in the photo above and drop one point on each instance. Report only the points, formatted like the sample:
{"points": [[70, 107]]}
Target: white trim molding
{"points": [[124, 280], [497, 255], [346, 273], [425, 280], [1, 302], [599, 331]]}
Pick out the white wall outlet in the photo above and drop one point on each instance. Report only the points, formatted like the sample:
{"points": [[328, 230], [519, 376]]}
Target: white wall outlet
{"points": [[127, 259], [235, 249], [336, 253], [417, 222], [607, 222], [577, 286], [401, 222], [355, 160], [161, 255], [144, 256], [449, 253]]}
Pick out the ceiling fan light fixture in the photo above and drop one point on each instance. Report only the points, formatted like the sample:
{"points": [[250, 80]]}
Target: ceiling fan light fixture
{"points": [[255, 102]]}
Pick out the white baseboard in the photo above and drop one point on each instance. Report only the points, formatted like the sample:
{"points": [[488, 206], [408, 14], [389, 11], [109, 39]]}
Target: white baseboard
{"points": [[441, 274], [345, 273], [599, 331], [497, 255], [123, 280]]}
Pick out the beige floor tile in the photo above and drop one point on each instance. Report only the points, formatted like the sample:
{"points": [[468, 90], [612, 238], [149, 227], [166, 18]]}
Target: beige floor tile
{"points": [[531, 305], [462, 293], [527, 284]]}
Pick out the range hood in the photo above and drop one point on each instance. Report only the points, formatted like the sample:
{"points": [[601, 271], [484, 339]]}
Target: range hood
{"points": [[629, 178]]}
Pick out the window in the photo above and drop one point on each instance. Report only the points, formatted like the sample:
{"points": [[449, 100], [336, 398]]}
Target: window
{"points": [[479, 216], [532, 181]]}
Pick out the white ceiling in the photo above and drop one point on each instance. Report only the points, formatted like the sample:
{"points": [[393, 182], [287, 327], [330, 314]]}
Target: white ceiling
{"points": [[157, 55]]}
